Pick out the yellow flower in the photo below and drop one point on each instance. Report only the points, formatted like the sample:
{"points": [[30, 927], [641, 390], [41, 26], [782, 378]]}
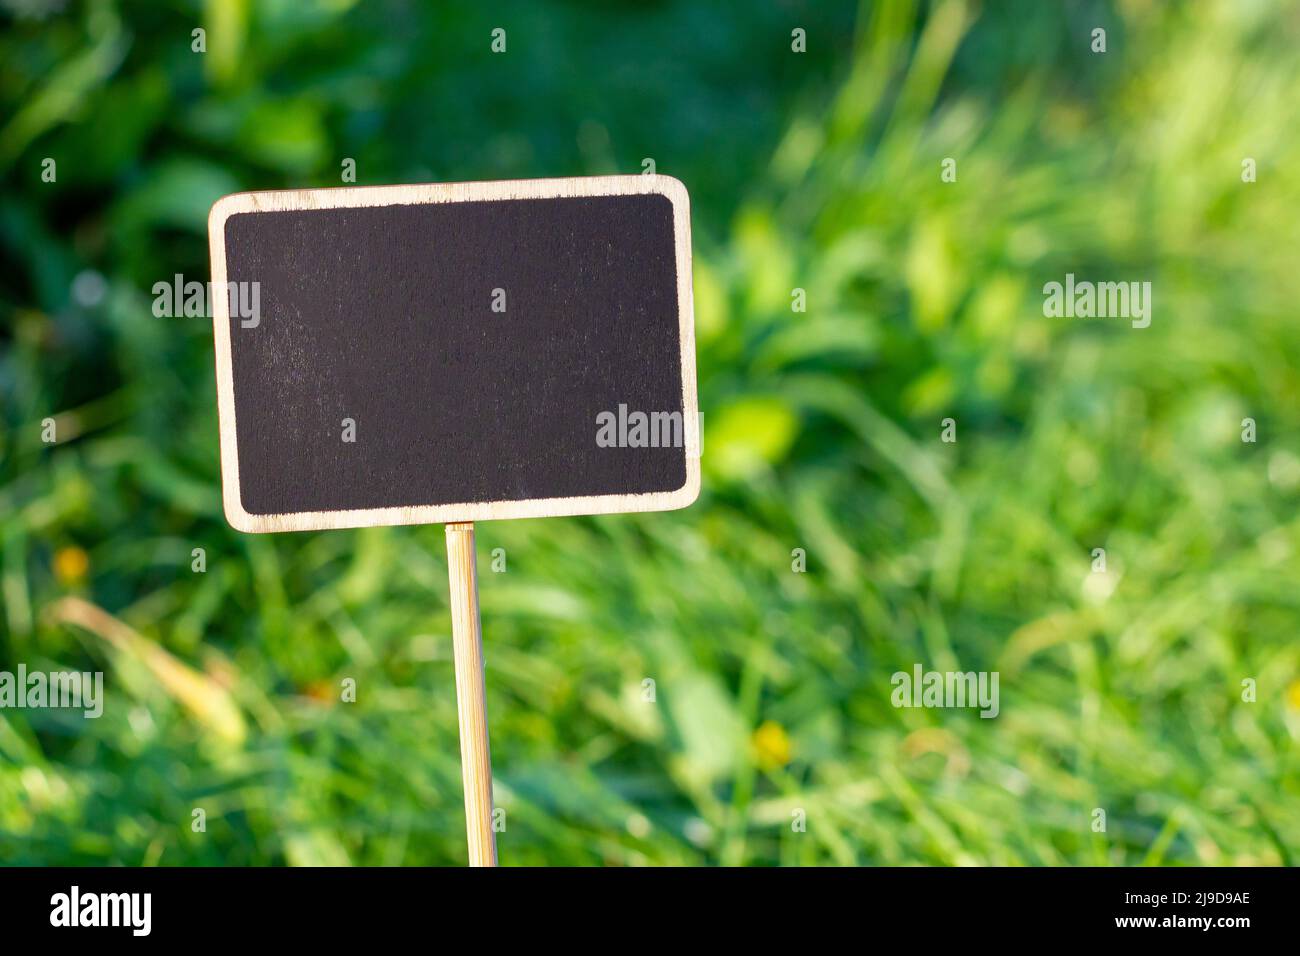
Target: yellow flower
{"points": [[320, 692], [70, 565], [1293, 694], [771, 745]]}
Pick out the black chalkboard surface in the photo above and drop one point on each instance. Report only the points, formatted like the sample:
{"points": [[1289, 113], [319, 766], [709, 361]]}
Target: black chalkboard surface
{"points": [[458, 352]]}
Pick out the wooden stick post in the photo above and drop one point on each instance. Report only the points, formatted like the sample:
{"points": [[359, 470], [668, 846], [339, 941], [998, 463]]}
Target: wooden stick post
{"points": [[471, 699]]}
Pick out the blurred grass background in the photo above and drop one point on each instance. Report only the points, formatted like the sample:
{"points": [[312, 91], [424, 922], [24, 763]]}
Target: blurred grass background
{"points": [[820, 171]]}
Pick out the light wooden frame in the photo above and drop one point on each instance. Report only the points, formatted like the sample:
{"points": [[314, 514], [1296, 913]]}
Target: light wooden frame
{"points": [[360, 196]]}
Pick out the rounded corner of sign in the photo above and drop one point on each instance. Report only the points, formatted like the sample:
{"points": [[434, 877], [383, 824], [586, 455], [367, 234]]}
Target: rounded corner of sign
{"points": [[238, 518], [674, 190], [221, 210], [229, 205], [689, 493]]}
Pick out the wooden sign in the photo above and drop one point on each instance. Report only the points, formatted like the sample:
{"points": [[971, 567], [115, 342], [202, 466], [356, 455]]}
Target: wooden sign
{"points": [[450, 353], [457, 352]]}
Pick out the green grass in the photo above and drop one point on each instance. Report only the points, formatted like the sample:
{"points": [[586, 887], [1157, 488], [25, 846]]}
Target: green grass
{"points": [[1120, 691]]}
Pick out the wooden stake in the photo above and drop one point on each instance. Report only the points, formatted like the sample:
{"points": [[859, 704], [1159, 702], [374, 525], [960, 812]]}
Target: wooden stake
{"points": [[471, 699]]}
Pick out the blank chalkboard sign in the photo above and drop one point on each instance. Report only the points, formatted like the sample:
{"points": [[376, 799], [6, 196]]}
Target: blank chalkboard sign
{"points": [[455, 352]]}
